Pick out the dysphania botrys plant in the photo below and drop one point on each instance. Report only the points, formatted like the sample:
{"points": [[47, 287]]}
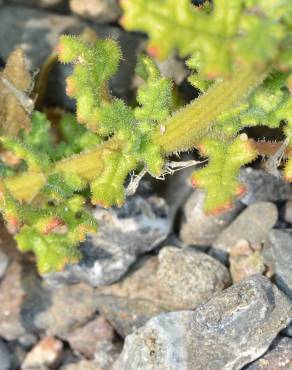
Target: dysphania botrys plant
{"points": [[240, 55]]}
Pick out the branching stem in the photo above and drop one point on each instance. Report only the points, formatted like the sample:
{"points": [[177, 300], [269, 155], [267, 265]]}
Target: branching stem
{"points": [[183, 131]]}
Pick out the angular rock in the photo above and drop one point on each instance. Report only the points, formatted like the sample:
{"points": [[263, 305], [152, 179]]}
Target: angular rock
{"points": [[101, 11], [278, 357], [123, 234], [232, 329], [84, 340], [28, 306], [281, 248], [200, 229], [106, 354], [22, 298], [262, 186], [176, 279], [253, 225], [5, 356], [126, 315], [187, 278], [47, 352], [70, 307], [245, 261]]}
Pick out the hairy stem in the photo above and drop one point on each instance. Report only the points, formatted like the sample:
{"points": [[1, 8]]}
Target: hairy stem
{"points": [[88, 165], [183, 131], [186, 128]]}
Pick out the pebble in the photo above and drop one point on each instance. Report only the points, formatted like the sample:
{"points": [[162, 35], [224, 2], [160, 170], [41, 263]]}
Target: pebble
{"points": [[176, 279], [253, 224], [245, 261], [281, 248], [232, 329], [5, 356], [126, 315], [200, 229], [70, 307], [47, 352], [101, 11], [262, 186], [84, 340], [187, 278], [106, 353], [22, 298], [123, 234], [278, 357], [29, 306]]}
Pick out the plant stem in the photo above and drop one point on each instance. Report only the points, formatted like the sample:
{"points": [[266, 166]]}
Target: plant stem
{"points": [[183, 131], [186, 128], [88, 165]]}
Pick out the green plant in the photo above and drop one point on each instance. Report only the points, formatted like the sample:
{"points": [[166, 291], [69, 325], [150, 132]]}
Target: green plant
{"points": [[239, 51]]}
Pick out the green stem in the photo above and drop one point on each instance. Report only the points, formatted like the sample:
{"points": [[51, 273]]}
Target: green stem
{"points": [[185, 129]]}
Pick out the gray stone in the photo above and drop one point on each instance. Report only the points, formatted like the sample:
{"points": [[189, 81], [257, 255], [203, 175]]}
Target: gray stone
{"points": [[70, 307], [101, 11], [106, 353], [232, 329], [84, 340], [288, 212], [22, 298], [28, 306], [173, 68], [278, 357], [199, 228], [55, 4], [47, 352], [126, 315], [262, 186], [245, 261], [253, 225], [281, 248], [177, 279], [187, 278], [123, 234], [5, 356], [38, 31], [131, 302], [4, 261]]}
